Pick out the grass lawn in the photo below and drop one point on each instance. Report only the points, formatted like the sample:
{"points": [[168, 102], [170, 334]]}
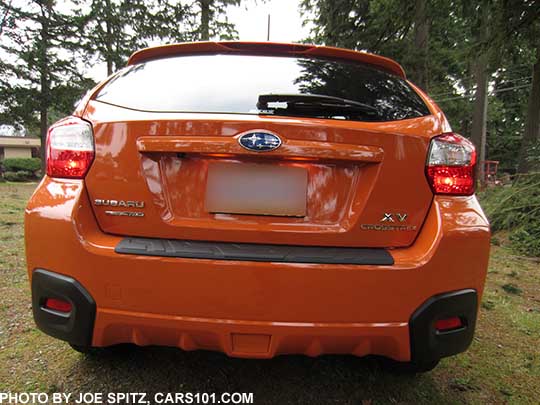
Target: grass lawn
{"points": [[502, 366]]}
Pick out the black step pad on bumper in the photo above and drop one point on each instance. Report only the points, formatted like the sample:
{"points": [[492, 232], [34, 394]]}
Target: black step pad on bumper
{"points": [[253, 252]]}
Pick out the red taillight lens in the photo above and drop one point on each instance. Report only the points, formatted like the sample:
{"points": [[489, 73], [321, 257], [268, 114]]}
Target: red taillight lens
{"points": [[58, 305], [450, 165], [70, 148], [443, 325]]}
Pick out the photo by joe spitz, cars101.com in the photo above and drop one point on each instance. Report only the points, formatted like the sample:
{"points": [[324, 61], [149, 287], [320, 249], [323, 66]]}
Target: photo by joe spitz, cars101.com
{"points": [[259, 199]]}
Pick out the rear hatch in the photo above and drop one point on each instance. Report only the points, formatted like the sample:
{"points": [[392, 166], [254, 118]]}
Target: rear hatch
{"points": [[179, 152]]}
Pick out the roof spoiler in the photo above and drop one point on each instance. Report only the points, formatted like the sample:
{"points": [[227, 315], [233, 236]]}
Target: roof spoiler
{"points": [[265, 48]]}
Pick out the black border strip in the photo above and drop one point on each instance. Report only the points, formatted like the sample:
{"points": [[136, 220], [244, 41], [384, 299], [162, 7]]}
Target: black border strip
{"points": [[253, 252]]}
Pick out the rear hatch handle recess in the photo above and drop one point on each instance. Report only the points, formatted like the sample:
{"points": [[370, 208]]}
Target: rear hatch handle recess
{"points": [[290, 149]]}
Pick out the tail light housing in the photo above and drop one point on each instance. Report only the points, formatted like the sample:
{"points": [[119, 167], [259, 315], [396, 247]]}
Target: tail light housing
{"points": [[450, 165], [70, 148]]}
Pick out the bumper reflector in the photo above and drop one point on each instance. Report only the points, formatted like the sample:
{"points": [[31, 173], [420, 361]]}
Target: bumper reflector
{"points": [[443, 325], [59, 305]]}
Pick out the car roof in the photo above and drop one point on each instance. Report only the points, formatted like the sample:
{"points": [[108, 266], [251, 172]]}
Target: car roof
{"points": [[267, 49]]}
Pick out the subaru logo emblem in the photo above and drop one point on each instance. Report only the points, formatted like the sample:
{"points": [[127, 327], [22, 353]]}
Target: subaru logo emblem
{"points": [[259, 141]]}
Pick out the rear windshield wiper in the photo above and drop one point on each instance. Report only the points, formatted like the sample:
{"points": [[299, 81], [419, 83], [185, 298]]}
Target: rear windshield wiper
{"points": [[314, 104]]}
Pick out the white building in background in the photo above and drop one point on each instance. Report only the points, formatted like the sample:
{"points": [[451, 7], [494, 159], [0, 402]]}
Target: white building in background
{"points": [[19, 147]]}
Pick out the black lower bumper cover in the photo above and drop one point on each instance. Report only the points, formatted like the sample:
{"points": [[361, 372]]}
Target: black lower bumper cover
{"points": [[77, 326], [428, 344]]}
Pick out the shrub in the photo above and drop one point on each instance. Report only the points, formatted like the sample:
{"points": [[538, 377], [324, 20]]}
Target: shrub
{"points": [[22, 164], [516, 208], [526, 239], [533, 157], [512, 289], [21, 175]]}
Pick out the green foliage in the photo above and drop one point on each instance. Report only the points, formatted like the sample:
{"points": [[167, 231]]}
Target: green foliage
{"points": [[512, 289], [508, 107], [534, 156], [47, 47], [21, 164], [40, 71], [209, 20], [444, 66], [387, 27], [526, 239], [516, 208], [19, 176], [113, 29]]}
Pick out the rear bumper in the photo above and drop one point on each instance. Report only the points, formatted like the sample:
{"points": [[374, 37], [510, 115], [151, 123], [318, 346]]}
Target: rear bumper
{"points": [[254, 339], [262, 309]]}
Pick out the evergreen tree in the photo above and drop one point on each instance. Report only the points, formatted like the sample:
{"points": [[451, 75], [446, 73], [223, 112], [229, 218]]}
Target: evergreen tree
{"points": [[507, 108], [480, 21], [426, 36], [521, 24], [45, 51], [39, 72], [114, 29], [210, 19], [463, 53]]}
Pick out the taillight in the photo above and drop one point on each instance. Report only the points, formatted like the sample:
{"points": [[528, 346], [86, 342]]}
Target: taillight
{"points": [[450, 165], [70, 148]]}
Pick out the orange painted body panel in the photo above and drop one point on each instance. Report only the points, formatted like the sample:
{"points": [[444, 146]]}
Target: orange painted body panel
{"points": [[305, 308], [265, 48], [357, 171], [346, 190]]}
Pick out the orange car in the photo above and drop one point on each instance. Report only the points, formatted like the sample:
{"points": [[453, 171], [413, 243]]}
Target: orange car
{"points": [[259, 199]]}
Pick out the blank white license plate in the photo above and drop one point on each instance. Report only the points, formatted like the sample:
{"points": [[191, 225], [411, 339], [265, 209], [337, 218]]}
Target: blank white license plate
{"points": [[257, 189]]}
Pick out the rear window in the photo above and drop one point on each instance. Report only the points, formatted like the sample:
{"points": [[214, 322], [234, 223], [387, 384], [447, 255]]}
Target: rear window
{"points": [[233, 84]]}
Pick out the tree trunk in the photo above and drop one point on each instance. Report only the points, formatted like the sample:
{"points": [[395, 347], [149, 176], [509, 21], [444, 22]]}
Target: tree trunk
{"points": [[532, 122], [108, 39], [44, 80], [481, 76], [421, 42], [479, 121], [205, 19], [469, 84]]}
